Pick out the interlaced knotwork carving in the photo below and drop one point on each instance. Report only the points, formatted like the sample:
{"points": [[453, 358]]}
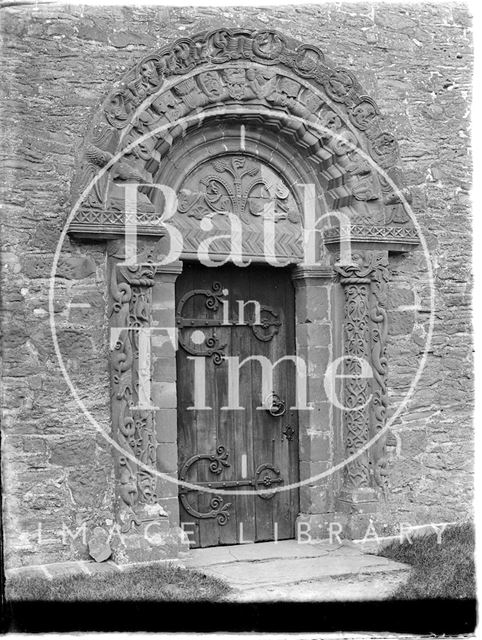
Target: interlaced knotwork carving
{"points": [[365, 400]]}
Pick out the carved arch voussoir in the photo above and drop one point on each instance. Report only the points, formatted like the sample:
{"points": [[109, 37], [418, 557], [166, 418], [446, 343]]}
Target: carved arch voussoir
{"points": [[258, 71]]}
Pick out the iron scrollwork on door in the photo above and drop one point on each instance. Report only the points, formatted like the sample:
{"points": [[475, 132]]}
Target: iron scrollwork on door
{"points": [[265, 476], [288, 433], [275, 406], [212, 346], [197, 343]]}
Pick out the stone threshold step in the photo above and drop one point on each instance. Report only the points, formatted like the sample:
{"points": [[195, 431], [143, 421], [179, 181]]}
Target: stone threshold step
{"points": [[291, 571], [265, 551]]}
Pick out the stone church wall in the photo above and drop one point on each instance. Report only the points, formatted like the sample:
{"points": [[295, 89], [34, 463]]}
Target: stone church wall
{"points": [[58, 64]]}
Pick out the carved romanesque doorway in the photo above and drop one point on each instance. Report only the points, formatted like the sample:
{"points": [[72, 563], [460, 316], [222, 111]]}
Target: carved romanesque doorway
{"points": [[223, 130], [242, 435]]}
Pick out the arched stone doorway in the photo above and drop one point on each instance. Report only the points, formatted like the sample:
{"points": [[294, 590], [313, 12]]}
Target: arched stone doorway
{"points": [[246, 123]]}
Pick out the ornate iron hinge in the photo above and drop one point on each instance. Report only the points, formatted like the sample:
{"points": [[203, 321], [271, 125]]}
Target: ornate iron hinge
{"points": [[199, 344], [219, 508]]}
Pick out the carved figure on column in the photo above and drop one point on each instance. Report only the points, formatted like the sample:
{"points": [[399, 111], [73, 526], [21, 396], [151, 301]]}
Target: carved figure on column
{"points": [[133, 428], [365, 282]]}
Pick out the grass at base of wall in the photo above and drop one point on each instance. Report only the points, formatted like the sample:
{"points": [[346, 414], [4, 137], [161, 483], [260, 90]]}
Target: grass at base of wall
{"points": [[165, 582], [445, 570]]}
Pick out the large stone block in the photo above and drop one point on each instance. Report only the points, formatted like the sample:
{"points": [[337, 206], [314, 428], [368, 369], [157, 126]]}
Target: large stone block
{"points": [[316, 389], [164, 395], [164, 369], [316, 446], [312, 470], [314, 499], [99, 545], [167, 457], [72, 451], [316, 420], [88, 486], [400, 322], [163, 296], [312, 303], [399, 297], [166, 425], [76, 267]]}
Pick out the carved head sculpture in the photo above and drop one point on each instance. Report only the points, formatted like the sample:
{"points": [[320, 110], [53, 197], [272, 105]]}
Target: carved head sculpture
{"points": [[308, 58], [332, 122], [261, 81], [116, 112], [343, 144], [268, 44], [236, 82], [148, 72], [339, 84], [385, 149], [211, 84], [364, 113]]}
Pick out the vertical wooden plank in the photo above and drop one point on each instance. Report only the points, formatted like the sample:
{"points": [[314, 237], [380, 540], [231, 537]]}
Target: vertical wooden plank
{"points": [[187, 444], [207, 419], [264, 425], [227, 419], [294, 445], [243, 420]]}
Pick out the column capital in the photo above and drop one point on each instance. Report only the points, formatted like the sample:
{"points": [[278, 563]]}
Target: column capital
{"points": [[169, 272], [301, 274], [365, 267]]}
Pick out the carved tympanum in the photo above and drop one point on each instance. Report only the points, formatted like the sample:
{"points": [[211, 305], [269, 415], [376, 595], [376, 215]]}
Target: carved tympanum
{"points": [[238, 185]]}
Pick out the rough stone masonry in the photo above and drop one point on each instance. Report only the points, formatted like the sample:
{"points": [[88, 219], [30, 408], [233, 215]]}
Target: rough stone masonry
{"points": [[58, 64]]}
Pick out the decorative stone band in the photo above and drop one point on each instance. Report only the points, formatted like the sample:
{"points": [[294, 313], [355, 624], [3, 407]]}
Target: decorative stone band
{"points": [[364, 397], [109, 225], [388, 238]]}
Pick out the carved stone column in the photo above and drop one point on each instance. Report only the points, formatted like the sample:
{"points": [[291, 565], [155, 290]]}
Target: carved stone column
{"points": [[364, 393], [145, 531]]}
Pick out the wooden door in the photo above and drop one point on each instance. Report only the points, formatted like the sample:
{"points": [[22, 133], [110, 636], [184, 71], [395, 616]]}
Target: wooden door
{"points": [[223, 447]]}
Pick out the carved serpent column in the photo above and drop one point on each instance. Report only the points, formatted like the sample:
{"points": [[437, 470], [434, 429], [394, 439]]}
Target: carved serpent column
{"points": [[133, 427], [364, 395], [379, 363]]}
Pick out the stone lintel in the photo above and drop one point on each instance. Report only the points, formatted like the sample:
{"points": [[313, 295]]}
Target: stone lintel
{"points": [[92, 231]]}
